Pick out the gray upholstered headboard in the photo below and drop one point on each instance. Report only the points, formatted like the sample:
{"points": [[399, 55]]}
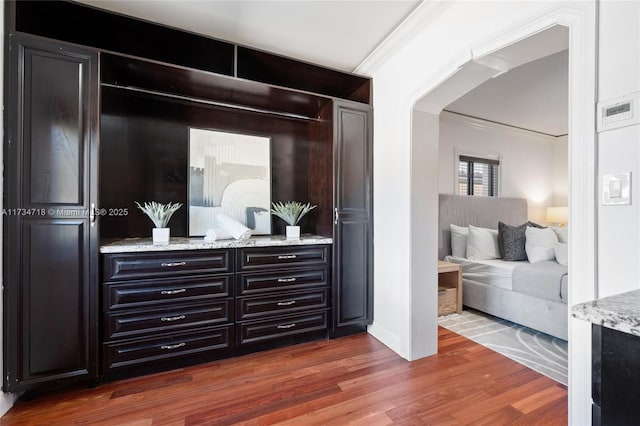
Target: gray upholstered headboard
{"points": [[478, 211]]}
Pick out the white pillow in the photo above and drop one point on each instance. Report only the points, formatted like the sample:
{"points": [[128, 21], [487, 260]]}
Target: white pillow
{"points": [[561, 251], [562, 233], [459, 240], [539, 244], [482, 243]]}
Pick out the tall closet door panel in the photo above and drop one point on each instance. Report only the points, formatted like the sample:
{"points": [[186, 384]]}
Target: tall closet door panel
{"points": [[352, 296], [353, 165], [54, 128], [352, 235], [55, 301], [51, 240]]}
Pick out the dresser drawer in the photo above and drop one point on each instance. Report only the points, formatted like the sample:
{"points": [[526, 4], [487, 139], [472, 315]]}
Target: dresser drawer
{"points": [[256, 283], [254, 332], [256, 307], [166, 291], [166, 347], [126, 266], [128, 324], [282, 257]]}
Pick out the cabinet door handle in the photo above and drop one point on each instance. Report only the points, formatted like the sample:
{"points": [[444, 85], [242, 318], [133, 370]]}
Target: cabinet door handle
{"points": [[287, 256], [285, 326], [169, 347], [336, 216], [92, 215], [182, 290], [172, 264], [288, 303], [286, 280], [179, 317]]}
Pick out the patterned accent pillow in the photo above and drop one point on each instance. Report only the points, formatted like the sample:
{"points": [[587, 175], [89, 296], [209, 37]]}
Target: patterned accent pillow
{"points": [[511, 240]]}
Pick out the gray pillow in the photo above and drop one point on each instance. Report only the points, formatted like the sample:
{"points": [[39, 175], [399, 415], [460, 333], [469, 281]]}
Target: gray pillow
{"points": [[511, 240]]}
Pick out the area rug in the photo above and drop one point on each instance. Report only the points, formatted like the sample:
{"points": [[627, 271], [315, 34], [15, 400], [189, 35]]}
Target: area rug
{"points": [[543, 353]]}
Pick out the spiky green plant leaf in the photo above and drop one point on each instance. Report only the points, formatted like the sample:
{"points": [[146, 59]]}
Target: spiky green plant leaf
{"points": [[159, 213], [291, 211]]}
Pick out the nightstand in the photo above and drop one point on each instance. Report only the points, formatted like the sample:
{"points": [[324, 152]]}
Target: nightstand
{"points": [[449, 288]]}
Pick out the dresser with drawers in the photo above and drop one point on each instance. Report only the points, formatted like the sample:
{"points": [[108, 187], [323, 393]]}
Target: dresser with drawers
{"points": [[200, 302], [281, 291]]}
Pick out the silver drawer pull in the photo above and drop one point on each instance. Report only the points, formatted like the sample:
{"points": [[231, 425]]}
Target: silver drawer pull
{"points": [[172, 264], [286, 280], [287, 326], [182, 290], [169, 347], [290, 302], [287, 256], [179, 317]]}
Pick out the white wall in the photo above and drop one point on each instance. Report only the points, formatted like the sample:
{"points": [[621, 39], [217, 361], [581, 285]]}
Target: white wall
{"points": [[560, 172], [424, 195], [619, 152], [427, 55], [424, 59], [526, 159]]}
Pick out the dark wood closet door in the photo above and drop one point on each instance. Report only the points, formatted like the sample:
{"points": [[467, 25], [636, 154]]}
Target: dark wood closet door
{"points": [[50, 245], [353, 251]]}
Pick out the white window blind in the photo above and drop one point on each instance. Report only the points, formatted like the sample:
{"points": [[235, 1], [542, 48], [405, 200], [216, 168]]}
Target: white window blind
{"points": [[478, 176]]}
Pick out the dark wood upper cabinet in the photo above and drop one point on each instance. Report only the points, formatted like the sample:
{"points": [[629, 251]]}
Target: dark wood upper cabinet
{"points": [[281, 71], [207, 88], [88, 26], [50, 245], [353, 219], [76, 75]]}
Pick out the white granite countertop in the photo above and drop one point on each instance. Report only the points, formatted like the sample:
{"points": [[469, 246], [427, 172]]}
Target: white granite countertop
{"points": [[620, 312], [132, 245]]}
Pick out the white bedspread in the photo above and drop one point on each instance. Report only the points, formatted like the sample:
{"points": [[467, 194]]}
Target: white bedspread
{"points": [[495, 272]]}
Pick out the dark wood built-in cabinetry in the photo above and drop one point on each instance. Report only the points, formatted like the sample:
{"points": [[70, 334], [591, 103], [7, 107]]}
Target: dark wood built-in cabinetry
{"points": [[162, 306], [353, 208], [98, 118], [206, 304], [281, 291], [51, 242], [615, 376]]}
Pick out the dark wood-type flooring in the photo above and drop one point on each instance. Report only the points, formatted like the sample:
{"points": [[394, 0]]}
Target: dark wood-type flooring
{"points": [[352, 380]]}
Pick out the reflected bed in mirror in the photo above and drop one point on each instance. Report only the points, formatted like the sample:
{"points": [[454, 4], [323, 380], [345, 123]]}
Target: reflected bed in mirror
{"points": [[229, 173]]}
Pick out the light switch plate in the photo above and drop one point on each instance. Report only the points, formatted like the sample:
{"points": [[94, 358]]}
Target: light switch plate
{"points": [[616, 189]]}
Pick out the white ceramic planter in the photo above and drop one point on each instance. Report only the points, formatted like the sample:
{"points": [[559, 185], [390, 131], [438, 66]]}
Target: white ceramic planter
{"points": [[293, 232], [160, 235]]}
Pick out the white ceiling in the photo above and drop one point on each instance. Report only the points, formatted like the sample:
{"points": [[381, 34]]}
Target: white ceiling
{"points": [[338, 34], [342, 33], [533, 96]]}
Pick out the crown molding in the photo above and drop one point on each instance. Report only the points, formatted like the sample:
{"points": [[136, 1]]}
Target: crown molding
{"points": [[487, 125], [421, 16]]}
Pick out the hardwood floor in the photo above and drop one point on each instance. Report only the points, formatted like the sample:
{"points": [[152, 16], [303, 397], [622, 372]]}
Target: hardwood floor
{"points": [[352, 380]]}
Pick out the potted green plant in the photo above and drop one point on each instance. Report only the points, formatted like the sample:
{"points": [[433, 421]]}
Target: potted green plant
{"points": [[291, 212], [160, 214]]}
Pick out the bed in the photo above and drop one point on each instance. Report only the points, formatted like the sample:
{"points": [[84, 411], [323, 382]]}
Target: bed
{"points": [[530, 294]]}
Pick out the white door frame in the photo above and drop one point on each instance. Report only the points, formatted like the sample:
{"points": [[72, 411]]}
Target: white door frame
{"points": [[581, 22]]}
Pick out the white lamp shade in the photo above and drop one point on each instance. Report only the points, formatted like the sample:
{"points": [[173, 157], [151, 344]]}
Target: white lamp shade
{"points": [[557, 214]]}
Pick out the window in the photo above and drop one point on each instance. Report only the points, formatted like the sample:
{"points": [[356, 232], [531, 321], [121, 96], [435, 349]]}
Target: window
{"points": [[478, 176]]}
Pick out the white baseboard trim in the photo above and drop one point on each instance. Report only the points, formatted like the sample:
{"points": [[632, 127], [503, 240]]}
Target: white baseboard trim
{"points": [[6, 401], [387, 338]]}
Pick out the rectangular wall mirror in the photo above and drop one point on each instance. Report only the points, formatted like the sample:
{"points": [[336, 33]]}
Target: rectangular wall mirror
{"points": [[229, 173]]}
